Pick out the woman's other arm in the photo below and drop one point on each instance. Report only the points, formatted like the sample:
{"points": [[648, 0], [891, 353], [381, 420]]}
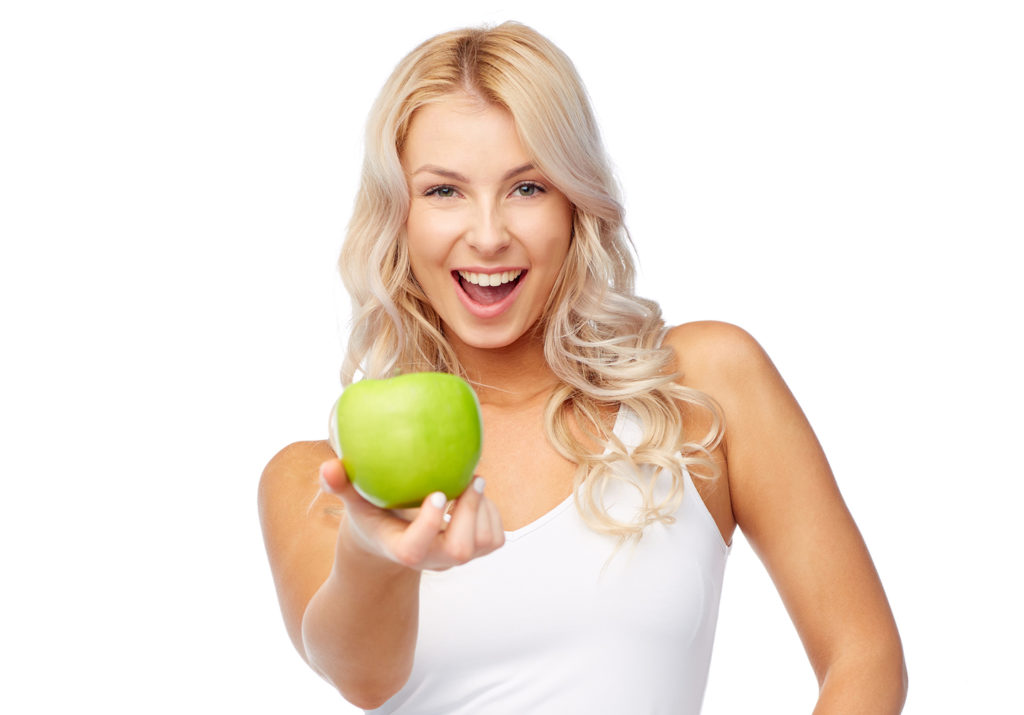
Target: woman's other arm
{"points": [[349, 585], [786, 501]]}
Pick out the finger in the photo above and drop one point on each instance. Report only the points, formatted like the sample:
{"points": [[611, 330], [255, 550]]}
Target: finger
{"points": [[377, 529], [333, 479], [489, 534], [460, 537], [414, 542], [494, 522], [484, 531]]}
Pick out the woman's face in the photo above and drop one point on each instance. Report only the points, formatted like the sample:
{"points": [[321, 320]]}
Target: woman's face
{"points": [[487, 233]]}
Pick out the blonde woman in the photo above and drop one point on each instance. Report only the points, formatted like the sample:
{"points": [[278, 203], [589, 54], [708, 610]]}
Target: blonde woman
{"points": [[581, 571]]}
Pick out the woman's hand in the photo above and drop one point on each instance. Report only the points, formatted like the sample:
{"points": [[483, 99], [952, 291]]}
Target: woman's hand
{"points": [[427, 541]]}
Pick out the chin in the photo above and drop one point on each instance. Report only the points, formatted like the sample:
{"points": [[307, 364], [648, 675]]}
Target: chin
{"points": [[493, 339]]}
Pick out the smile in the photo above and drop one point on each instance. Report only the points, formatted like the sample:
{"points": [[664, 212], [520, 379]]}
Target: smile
{"points": [[490, 279], [487, 295]]}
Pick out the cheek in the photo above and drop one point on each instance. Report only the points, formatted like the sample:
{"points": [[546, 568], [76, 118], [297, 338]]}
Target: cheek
{"points": [[549, 232], [429, 237]]}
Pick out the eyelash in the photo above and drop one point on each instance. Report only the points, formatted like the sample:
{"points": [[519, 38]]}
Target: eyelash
{"points": [[538, 189], [433, 190]]}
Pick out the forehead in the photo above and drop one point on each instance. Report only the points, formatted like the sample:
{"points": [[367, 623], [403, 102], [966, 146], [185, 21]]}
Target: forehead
{"points": [[461, 128]]}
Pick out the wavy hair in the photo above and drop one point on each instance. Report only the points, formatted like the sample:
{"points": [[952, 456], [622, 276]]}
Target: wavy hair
{"points": [[602, 341]]}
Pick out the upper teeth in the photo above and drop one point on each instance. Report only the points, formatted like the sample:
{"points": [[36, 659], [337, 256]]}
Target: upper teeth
{"points": [[490, 279]]}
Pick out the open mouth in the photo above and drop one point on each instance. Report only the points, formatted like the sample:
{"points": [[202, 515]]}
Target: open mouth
{"points": [[488, 288]]}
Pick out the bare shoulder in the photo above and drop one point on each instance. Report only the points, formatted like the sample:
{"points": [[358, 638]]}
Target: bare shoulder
{"points": [[290, 482], [293, 469], [726, 363], [721, 361], [299, 527], [714, 351], [288, 488]]}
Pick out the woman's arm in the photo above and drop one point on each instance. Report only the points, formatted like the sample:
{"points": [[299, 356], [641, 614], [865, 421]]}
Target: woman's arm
{"points": [[785, 499], [349, 586]]}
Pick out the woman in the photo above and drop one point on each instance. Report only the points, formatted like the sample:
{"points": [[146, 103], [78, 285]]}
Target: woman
{"points": [[582, 571]]}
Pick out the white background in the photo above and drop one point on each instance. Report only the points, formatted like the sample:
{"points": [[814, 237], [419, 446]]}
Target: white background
{"points": [[843, 180]]}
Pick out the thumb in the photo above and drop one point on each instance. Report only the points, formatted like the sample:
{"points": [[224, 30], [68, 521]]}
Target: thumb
{"points": [[333, 478], [416, 540]]}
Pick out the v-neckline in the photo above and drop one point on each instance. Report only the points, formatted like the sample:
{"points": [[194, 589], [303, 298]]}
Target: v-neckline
{"points": [[549, 515]]}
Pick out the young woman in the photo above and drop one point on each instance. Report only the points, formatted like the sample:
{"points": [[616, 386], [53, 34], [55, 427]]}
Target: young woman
{"points": [[581, 572]]}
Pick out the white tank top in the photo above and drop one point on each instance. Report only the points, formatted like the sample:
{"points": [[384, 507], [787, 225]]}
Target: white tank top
{"points": [[552, 623]]}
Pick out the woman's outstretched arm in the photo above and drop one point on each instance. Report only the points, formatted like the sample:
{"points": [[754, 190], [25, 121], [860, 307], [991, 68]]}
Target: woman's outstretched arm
{"points": [[349, 585]]}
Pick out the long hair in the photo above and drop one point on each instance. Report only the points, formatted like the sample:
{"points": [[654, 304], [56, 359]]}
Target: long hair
{"points": [[602, 342]]}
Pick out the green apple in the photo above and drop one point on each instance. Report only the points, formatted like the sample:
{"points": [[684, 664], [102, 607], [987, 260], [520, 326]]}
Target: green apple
{"points": [[406, 437]]}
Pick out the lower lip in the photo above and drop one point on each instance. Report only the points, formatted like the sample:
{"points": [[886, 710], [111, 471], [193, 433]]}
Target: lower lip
{"points": [[493, 310]]}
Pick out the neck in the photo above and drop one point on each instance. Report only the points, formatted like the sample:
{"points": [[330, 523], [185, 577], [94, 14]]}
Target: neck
{"points": [[507, 376]]}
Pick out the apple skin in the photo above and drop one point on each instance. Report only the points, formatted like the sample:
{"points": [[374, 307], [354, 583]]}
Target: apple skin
{"points": [[406, 437]]}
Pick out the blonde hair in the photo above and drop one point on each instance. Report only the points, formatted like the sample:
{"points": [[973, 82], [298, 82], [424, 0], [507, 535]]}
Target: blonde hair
{"points": [[602, 342]]}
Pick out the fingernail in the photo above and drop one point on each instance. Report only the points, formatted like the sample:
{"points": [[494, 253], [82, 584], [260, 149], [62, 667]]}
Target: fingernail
{"points": [[324, 486], [478, 485], [438, 500]]}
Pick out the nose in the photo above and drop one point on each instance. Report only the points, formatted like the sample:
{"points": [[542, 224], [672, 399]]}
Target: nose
{"points": [[488, 235]]}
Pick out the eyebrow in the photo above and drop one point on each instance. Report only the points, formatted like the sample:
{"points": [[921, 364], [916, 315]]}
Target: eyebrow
{"points": [[449, 174]]}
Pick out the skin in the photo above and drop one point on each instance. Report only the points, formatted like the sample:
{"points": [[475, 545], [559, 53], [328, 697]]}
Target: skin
{"points": [[476, 207], [349, 590]]}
